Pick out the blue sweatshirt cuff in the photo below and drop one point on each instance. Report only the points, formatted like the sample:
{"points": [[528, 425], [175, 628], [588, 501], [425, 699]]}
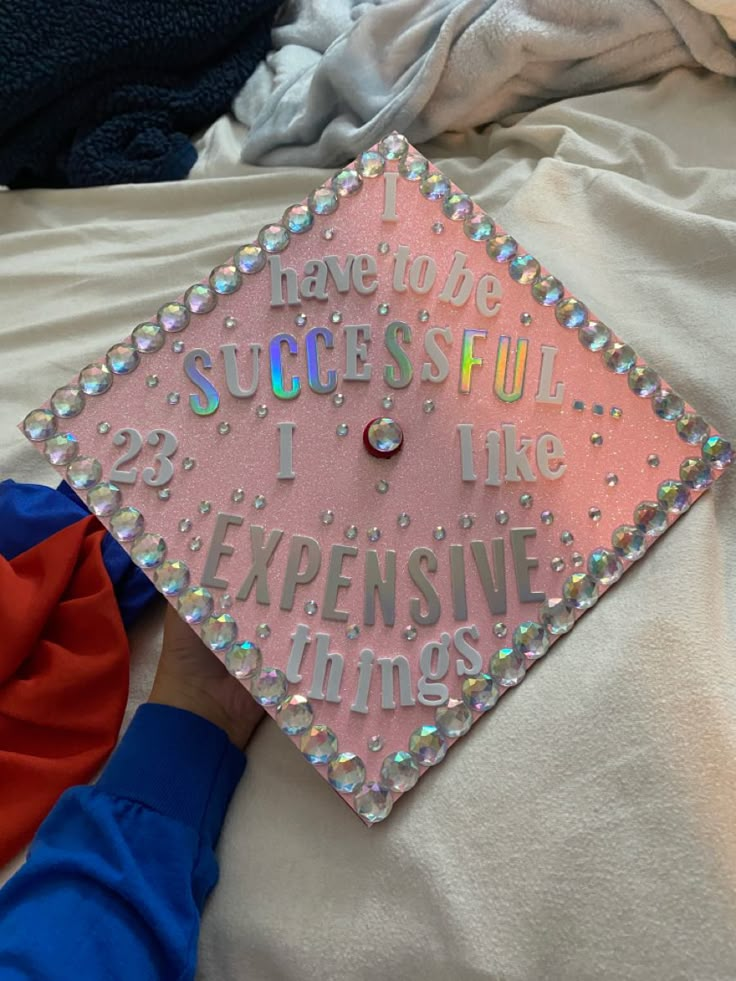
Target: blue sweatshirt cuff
{"points": [[178, 764]]}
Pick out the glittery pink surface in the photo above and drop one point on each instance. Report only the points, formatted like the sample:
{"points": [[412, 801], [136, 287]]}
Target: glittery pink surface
{"points": [[337, 473]]}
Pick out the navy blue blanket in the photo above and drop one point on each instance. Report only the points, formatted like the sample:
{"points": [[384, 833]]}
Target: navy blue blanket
{"points": [[102, 92]]}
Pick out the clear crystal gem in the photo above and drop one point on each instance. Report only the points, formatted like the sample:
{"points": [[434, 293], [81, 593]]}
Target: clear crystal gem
{"points": [[524, 269], [480, 692], [383, 437], [427, 745], [413, 167], [547, 290], [694, 473], [502, 517], [295, 715], [403, 520], [200, 299], [435, 187], [650, 518], [530, 638], [453, 719], [323, 201], [225, 279], [273, 238], [346, 772], [373, 802], [39, 424], [172, 577], [399, 771], [692, 428], [375, 744], [668, 405], [196, 604], [173, 317], [104, 499], [67, 401], [84, 472], [351, 532], [556, 616], [311, 607], [571, 313], [148, 337], [373, 534], [507, 667], [457, 206], [126, 524], [502, 248], [605, 566], [347, 182], [327, 517], [629, 542], [479, 227], [319, 744], [619, 357], [409, 633], [298, 219], [270, 687], [717, 452], [95, 379], [580, 591], [219, 632], [243, 661], [149, 551]]}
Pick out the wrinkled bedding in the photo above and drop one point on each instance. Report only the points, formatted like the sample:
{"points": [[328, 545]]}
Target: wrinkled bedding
{"points": [[585, 830]]}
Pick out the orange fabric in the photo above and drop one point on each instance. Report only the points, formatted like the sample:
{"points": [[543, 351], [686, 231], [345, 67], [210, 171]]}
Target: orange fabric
{"points": [[63, 675]]}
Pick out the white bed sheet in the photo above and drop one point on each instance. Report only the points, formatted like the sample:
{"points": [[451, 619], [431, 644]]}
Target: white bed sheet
{"points": [[586, 830]]}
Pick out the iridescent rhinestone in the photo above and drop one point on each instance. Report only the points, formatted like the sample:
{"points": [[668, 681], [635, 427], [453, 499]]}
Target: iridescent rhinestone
{"points": [[342, 429], [338, 399], [66, 402], [336, 317], [457, 206], [84, 472], [226, 601], [502, 248], [453, 719], [438, 228], [373, 534], [650, 518], [695, 473], [323, 201], [668, 405], [466, 520], [295, 715], [347, 182], [526, 500], [373, 802], [60, 450], [243, 661], [327, 517], [629, 542], [371, 164], [353, 631], [148, 338], [346, 772], [530, 639], [399, 771], [428, 406], [502, 517], [598, 409], [403, 520], [547, 290], [556, 616], [718, 452], [218, 633], [351, 533], [200, 299], [546, 517], [164, 494], [126, 524], [428, 745], [173, 398], [507, 667], [479, 227], [643, 381], [619, 357], [594, 335], [225, 279], [578, 405], [409, 633], [39, 424], [263, 631], [149, 551], [567, 538], [188, 463], [311, 607], [596, 439], [229, 322], [375, 744], [382, 486], [103, 499], [384, 248], [177, 347], [270, 687], [500, 629], [196, 604], [525, 319], [223, 428], [297, 219], [594, 513], [524, 269], [172, 577], [435, 187], [250, 258], [571, 313], [604, 566], [577, 559], [653, 460], [152, 381], [480, 692], [692, 428], [616, 413], [580, 591], [205, 507], [382, 309], [413, 167], [300, 320], [328, 234], [557, 563], [273, 238], [261, 411], [387, 402], [383, 437], [394, 146], [319, 744], [259, 502], [611, 479], [95, 379], [173, 317], [439, 533]]}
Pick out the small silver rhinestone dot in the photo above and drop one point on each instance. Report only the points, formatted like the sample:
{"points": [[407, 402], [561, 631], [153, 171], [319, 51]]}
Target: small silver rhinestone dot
{"points": [[103, 428], [327, 517], [382, 486], [263, 631], [223, 428], [373, 534], [310, 608], [261, 411], [259, 502], [409, 633], [500, 629]]}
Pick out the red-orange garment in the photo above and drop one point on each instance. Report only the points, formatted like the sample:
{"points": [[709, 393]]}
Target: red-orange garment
{"points": [[63, 675]]}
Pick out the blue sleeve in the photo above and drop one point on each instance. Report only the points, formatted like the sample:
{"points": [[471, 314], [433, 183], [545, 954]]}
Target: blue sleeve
{"points": [[118, 873]]}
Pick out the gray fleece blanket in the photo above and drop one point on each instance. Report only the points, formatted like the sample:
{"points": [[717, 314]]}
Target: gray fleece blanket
{"points": [[343, 72]]}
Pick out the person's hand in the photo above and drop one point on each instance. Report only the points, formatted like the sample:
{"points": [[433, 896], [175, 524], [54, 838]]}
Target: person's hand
{"points": [[191, 677]]}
